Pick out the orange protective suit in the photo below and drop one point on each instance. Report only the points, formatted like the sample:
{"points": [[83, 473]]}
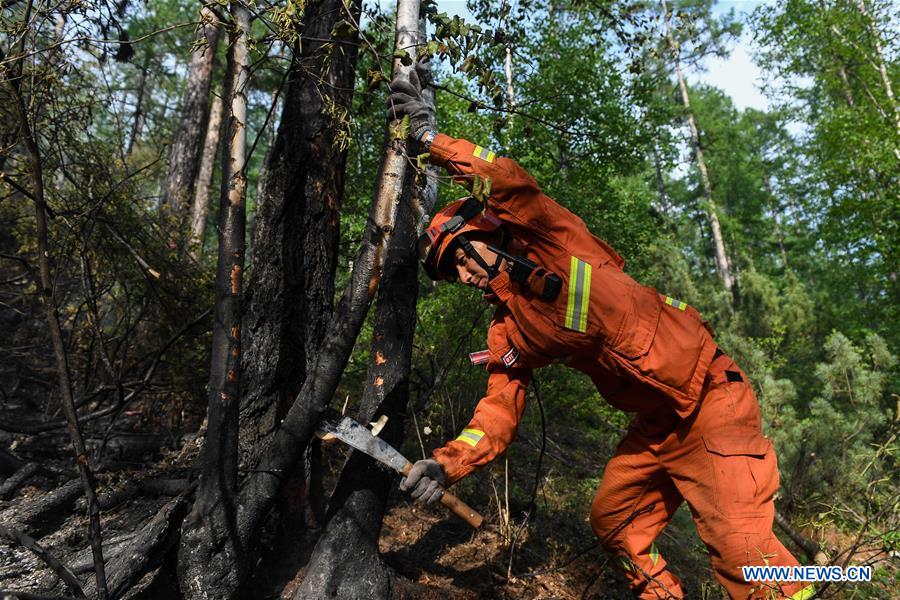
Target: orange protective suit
{"points": [[696, 436]]}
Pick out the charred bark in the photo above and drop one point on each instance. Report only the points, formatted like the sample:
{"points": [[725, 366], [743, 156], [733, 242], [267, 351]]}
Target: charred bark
{"points": [[147, 549], [18, 479], [291, 289], [297, 229], [210, 550], [345, 562], [290, 440], [61, 570], [46, 510], [184, 159]]}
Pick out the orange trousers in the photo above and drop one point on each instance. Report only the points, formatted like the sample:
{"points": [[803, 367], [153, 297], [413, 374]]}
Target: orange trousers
{"points": [[719, 462]]}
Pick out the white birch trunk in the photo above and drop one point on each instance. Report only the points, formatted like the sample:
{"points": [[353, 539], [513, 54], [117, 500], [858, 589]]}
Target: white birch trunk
{"points": [[882, 70], [210, 556], [200, 205], [723, 266]]}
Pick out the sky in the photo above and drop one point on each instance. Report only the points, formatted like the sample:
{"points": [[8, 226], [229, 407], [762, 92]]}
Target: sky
{"points": [[737, 75]]}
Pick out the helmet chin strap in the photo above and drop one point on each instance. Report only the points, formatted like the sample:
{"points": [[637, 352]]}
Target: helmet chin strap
{"points": [[472, 253]]}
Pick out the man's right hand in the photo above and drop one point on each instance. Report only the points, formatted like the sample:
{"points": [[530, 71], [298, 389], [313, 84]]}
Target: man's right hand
{"points": [[424, 481], [406, 99]]}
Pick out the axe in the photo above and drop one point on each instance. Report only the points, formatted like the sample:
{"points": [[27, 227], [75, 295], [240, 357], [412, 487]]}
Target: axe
{"points": [[356, 436]]}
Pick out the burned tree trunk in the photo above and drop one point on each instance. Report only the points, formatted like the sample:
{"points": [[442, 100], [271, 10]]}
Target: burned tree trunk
{"points": [[291, 290], [210, 553], [290, 440], [184, 159], [345, 562]]}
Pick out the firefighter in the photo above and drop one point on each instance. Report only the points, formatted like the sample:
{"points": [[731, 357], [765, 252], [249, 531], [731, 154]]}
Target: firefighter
{"points": [[561, 295]]}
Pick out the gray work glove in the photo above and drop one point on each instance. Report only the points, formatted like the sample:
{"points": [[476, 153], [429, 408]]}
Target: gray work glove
{"points": [[406, 99], [425, 479]]}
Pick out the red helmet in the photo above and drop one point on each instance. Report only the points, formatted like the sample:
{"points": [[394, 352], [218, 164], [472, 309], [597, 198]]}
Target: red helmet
{"points": [[458, 217]]}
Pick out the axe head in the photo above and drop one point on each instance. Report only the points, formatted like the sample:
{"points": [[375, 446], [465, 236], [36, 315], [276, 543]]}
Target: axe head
{"points": [[357, 436]]}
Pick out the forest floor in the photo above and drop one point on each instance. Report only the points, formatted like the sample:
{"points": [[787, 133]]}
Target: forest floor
{"points": [[434, 554]]}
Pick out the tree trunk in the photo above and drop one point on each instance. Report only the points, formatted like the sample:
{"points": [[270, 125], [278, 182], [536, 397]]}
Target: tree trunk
{"points": [[291, 289], [510, 93], [289, 442], [345, 562], [211, 555], [27, 134], [723, 265], [269, 134], [882, 71], [184, 159], [200, 207], [137, 119]]}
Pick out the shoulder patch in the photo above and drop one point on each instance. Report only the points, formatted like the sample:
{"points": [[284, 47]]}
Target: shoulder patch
{"points": [[484, 154], [510, 358]]}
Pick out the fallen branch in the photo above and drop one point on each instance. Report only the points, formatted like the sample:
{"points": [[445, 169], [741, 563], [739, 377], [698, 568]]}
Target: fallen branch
{"points": [[82, 561], [60, 569], [9, 462], [17, 479], [147, 487], [51, 503]]}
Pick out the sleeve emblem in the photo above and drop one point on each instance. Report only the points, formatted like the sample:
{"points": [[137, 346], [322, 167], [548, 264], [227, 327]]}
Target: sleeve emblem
{"points": [[510, 358]]}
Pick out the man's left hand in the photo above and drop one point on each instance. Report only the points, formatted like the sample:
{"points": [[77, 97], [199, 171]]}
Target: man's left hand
{"points": [[425, 481], [406, 99]]}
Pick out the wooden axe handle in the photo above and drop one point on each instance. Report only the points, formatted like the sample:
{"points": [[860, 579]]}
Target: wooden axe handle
{"points": [[460, 508]]}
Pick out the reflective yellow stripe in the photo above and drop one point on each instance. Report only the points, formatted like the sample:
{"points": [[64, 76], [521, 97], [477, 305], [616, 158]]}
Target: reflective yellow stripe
{"points": [[676, 303], [654, 554], [471, 436], [585, 298], [579, 295], [570, 307], [804, 594], [484, 154]]}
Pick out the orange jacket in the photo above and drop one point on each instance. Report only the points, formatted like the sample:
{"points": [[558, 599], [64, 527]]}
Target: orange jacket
{"points": [[645, 352]]}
